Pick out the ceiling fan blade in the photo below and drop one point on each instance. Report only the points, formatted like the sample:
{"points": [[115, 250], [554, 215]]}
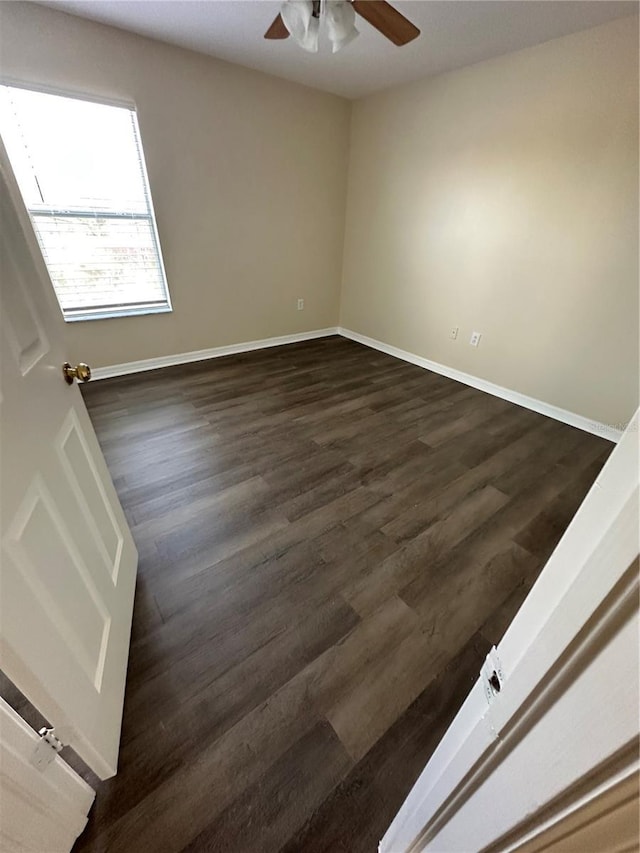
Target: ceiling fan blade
{"points": [[387, 20], [277, 30]]}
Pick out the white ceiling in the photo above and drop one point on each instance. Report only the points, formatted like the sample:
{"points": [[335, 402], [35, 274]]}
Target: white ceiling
{"points": [[454, 33]]}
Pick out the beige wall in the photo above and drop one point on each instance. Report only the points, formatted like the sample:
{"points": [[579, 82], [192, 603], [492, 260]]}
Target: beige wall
{"points": [[503, 198], [248, 177]]}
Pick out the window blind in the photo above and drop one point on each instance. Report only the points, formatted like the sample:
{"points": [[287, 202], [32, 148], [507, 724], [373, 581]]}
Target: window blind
{"points": [[81, 171]]}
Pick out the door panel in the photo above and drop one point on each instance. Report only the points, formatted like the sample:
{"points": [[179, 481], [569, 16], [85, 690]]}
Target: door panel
{"points": [[78, 465], [43, 551], [68, 567], [21, 323]]}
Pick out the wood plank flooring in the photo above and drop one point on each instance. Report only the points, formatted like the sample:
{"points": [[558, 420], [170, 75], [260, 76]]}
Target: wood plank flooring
{"points": [[330, 540]]}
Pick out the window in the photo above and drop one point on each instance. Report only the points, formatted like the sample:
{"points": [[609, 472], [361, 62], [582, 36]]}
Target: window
{"points": [[80, 169]]}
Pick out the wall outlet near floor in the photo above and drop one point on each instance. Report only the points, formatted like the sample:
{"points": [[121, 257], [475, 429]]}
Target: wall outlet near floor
{"points": [[453, 333], [300, 304], [475, 339]]}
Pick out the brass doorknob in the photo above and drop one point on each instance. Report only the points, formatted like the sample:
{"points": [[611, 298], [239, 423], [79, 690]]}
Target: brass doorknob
{"points": [[81, 372]]}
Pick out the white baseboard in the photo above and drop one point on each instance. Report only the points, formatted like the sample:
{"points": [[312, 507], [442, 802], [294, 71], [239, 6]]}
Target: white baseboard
{"points": [[603, 430], [203, 354]]}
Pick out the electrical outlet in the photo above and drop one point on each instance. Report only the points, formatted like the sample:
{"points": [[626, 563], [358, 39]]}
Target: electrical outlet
{"points": [[475, 339], [300, 304], [453, 333]]}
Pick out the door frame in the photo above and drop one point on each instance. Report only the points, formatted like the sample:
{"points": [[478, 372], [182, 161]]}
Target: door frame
{"points": [[574, 636]]}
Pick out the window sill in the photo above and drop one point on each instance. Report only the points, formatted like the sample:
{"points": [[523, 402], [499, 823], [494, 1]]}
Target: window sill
{"points": [[117, 312]]}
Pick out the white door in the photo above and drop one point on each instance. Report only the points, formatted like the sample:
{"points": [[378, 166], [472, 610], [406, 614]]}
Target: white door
{"points": [[545, 752], [43, 809], [68, 561]]}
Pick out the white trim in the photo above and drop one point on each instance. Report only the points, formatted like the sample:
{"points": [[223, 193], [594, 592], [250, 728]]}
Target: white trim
{"points": [[612, 782], [63, 92], [573, 639], [112, 313], [579, 642], [607, 431], [204, 354], [604, 430], [137, 134]]}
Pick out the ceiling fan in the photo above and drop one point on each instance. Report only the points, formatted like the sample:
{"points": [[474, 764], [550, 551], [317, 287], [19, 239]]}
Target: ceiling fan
{"points": [[301, 19]]}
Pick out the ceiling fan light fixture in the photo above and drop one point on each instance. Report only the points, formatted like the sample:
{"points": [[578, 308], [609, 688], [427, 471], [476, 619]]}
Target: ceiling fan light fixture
{"points": [[341, 23], [303, 20], [304, 28]]}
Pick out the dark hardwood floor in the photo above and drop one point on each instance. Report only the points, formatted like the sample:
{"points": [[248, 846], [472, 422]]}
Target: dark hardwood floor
{"points": [[330, 541]]}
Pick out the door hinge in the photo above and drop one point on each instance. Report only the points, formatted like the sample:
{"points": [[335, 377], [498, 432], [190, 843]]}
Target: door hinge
{"points": [[46, 749]]}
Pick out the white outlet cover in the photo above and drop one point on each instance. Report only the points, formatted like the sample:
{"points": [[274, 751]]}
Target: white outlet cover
{"points": [[475, 339], [300, 304]]}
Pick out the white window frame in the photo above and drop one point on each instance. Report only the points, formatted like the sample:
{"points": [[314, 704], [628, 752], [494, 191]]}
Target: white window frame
{"points": [[108, 312]]}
